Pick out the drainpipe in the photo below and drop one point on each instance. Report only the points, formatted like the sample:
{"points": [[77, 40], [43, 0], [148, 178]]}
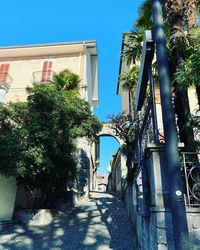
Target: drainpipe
{"points": [[180, 228]]}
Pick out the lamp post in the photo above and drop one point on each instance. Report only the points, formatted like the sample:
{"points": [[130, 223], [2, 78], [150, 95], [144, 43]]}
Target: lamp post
{"points": [[180, 229]]}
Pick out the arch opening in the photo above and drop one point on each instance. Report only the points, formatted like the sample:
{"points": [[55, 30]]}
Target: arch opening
{"points": [[108, 154]]}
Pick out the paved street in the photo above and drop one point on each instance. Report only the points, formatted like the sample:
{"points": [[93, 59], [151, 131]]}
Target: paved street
{"points": [[99, 223]]}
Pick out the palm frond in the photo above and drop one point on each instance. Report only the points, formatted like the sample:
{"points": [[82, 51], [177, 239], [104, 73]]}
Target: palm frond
{"points": [[129, 79], [66, 80], [132, 47], [144, 20]]}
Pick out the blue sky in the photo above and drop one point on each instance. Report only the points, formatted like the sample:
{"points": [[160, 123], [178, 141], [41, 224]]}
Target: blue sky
{"points": [[46, 21]]}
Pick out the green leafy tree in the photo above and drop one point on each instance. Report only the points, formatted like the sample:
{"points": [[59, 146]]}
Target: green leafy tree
{"points": [[37, 138]]}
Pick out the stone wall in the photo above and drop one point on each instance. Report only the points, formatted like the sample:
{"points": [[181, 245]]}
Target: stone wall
{"points": [[147, 202]]}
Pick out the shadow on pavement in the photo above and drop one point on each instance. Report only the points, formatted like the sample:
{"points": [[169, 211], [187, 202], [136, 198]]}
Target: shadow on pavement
{"points": [[98, 223]]}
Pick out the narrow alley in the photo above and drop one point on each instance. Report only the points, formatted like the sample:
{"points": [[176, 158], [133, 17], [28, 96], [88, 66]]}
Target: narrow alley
{"points": [[98, 223]]}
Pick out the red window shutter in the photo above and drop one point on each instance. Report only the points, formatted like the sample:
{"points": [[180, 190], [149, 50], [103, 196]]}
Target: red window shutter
{"points": [[46, 72], [4, 68], [49, 70], [1, 73]]}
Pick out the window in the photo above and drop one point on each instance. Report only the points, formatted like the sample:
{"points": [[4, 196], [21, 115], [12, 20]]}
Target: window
{"points": [[47, 71], [4, 68]]}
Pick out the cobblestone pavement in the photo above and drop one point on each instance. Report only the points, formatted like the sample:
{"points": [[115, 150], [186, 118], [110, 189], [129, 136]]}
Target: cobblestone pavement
{"points": [[98, 223]]}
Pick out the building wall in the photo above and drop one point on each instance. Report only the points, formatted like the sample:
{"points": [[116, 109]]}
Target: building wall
{"points": [[80, 58], [94, 152], [193, 100], [101, 182], [115, 178], [21, 70], [7, 197]]}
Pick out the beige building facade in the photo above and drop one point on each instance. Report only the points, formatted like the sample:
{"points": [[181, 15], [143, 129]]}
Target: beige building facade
{"points": [[23, 66]]}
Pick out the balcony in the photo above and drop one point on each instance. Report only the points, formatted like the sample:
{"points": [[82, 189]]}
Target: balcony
{"points": [[5, 81], [42, 77]]}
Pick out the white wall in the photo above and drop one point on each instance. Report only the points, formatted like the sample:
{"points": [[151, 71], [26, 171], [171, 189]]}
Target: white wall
{"points": [[7, 197]]}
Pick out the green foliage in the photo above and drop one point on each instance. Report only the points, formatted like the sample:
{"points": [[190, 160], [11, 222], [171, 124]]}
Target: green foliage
{"points": [[66, 80], [144, 20], [129, 79], [12, 134], [37, 137], [132, 46], [188, 75]]}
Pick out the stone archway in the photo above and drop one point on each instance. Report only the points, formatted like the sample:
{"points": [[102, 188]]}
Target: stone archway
{"points": [[119, 170], [108, 131]]}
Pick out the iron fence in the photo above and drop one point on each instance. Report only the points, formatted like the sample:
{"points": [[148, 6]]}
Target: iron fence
{"points": [[190, 168], [145, 131]]}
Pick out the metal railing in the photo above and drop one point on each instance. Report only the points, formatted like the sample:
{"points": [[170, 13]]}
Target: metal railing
{"points": [[145, 129], [147, 133], [5, 81], [190, 167], [44, 77]]}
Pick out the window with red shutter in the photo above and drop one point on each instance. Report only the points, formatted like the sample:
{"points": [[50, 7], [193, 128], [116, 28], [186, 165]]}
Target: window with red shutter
{"points": [[4, 68], [47, 71]]}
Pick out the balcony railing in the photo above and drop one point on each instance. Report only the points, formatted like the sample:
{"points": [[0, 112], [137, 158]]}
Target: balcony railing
{"points": [[190, 167], [5, 81], [44, 77]]}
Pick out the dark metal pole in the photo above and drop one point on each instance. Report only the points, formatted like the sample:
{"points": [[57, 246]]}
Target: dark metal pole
{"points": [[180, 229]]}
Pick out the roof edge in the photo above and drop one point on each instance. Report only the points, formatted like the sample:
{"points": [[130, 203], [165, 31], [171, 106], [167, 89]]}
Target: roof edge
{"points": [[49, 44]]}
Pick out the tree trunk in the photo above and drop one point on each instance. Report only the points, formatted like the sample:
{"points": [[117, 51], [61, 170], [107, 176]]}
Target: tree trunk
{"points": [[176, 16], [191, 17], [190, 13]]}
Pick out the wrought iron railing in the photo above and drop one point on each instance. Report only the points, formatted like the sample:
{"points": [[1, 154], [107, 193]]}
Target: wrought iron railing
{"points": [[147, 133], [145, 129], [5, 81], [190, 167], [44, 77]]}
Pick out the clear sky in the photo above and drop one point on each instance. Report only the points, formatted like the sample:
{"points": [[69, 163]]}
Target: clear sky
{"points": [[46, 21]]}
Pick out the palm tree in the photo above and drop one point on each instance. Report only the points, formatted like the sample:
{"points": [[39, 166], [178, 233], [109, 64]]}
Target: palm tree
{"points": [[180, 16], [144, 20], [132, 46], [129, 83], [191, 13], [66, 81], [129, 79]]}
